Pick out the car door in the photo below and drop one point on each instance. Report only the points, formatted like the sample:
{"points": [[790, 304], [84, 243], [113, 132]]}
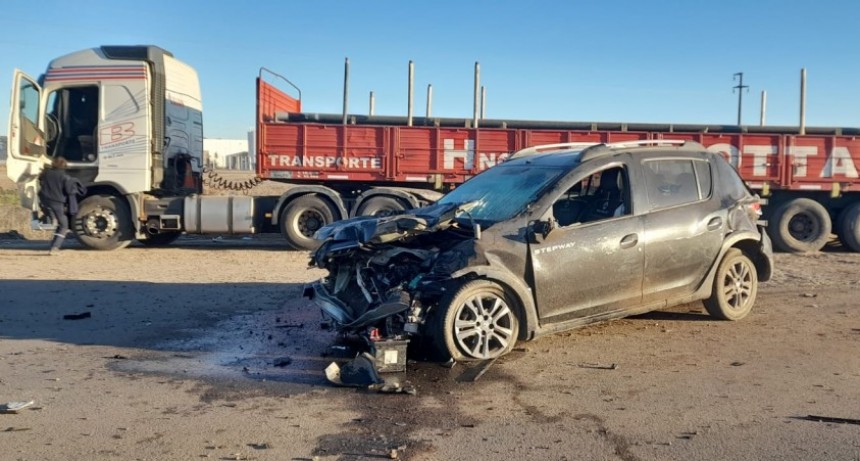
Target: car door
{"points": [[585, 269], [27, 142], [684, 227]]}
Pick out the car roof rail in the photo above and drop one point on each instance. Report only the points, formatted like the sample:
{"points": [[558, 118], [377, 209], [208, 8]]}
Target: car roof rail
{"points": [[549, 147], [646, 142], [604, 149]]}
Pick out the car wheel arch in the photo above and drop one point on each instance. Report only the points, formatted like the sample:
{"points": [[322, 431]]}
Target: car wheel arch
{"points": [[748, 243], [519, 291]]}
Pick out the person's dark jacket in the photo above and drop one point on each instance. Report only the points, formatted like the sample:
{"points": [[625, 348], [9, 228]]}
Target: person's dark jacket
{"points": [[59, 188]]}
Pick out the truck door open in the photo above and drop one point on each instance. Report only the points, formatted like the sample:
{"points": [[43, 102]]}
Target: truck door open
{"points": [[27, 151]]}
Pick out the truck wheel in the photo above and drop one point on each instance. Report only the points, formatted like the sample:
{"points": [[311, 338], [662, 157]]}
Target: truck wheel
{"points": [[478, 322], [735, 287], [302, 217], [801, 225], [103, 223], [160, 239], [848, 227], [381, 206]]}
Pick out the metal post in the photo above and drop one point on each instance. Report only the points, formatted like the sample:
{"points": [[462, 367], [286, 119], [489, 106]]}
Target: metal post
{"points": [[483, 102], [477, 88], [763, 107], [372, 104], [740, 87], [803, 101], [345, 89], [429, 100], [410, 100]]}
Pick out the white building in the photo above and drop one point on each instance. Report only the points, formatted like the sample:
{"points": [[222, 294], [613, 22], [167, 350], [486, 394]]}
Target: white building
{"points": [[232, 154]]}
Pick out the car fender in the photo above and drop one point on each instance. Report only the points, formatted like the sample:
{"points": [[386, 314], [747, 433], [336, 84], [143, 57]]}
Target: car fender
{"points": [[744, 239], [513, 283]]}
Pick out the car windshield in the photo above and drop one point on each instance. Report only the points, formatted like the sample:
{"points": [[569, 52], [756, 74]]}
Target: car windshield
{"points": [[501, 192]]}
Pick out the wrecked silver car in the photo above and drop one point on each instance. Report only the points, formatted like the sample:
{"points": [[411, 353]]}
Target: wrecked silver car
{"points": [[551, 239]]}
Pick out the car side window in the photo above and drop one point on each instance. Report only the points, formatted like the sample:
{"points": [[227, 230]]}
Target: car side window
{"points": [[601, 195], [704, 176], [671, 182]]}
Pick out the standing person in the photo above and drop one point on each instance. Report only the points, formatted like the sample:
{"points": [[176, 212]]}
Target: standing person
{"points": [[58, 194]]}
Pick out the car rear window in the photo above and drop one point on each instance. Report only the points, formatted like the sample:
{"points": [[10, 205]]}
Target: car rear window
{"points": [[671, 182], [730, 183]]}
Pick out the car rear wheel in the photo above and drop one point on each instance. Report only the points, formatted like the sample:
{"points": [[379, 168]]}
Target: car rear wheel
{"points": [[735, 287], [479, 322]]}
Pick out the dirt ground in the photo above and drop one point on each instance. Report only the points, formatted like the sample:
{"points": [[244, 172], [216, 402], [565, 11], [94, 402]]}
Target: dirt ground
{"points": [[177, 361]]}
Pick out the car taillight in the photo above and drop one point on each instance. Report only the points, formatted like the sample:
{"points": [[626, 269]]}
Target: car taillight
{"points": [[756, 208], [753, 209]]}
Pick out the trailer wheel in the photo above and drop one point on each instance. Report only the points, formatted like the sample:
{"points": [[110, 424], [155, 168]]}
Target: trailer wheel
{"points": [[103, 223], [160, 239], [302, 217], [848, 227], [381, 206], [800, 225]]}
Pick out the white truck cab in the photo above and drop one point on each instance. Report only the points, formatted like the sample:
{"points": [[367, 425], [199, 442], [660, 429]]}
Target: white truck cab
{"points": [[128, 119]]}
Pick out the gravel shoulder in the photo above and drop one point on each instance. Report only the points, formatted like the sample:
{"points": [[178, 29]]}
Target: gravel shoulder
{"points": [[176, 362]]}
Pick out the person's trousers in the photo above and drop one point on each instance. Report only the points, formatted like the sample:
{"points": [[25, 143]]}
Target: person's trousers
{"points": [[57, 213]]}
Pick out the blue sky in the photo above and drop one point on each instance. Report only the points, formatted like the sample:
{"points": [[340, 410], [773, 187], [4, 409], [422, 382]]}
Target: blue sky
{"points": [[628, 61]]}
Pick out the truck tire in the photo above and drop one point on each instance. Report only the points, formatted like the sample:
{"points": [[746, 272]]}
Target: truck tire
{"points": [[800, 225], [381, 206], [848, 227], [160, 239], [103, 223], [302, 217]]}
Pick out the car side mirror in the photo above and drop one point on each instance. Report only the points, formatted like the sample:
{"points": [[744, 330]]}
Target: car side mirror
{"points": [[540, 229]]}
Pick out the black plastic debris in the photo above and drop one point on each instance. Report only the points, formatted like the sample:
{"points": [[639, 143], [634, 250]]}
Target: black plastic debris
{"points": [[359, 372], [281, 362], [81, 316], [474, 373]]}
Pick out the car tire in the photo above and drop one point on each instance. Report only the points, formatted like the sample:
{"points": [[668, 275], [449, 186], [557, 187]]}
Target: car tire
{"points": [[800, 225], [848, 227], [302, 217], [478, 321], [735, 287], [381, 206], [103, 223]]}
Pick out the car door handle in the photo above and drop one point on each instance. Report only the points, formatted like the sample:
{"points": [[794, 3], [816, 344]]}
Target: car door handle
{"points": [[629, 241], [715, 223]]}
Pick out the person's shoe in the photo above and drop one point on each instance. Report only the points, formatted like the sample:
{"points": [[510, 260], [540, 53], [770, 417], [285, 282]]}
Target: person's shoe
{"points": [[54, 252]]}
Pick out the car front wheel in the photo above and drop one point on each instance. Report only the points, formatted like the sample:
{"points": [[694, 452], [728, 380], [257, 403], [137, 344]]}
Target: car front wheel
{"points": [[735, 287], [479, 322]]}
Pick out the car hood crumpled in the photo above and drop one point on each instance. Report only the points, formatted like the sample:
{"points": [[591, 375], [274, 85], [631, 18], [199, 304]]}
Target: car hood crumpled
{"points": [[354, 232]]}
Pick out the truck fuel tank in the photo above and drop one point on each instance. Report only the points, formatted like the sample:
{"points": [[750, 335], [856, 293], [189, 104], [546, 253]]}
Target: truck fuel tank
{"points": [[211, 215]]}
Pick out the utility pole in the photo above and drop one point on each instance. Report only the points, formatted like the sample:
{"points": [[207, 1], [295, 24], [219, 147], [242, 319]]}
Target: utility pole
{"points": [[740, 87]]}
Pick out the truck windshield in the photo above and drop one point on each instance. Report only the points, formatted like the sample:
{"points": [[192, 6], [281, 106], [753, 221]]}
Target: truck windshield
{"points": [[502, 192]]}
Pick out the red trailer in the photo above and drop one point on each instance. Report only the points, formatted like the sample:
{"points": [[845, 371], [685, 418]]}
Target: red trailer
{"points": [[128, 119], [353, 165]]}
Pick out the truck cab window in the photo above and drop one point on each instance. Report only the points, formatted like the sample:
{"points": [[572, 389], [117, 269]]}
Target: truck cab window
{"points": [[31, 142], [75, 112]]}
